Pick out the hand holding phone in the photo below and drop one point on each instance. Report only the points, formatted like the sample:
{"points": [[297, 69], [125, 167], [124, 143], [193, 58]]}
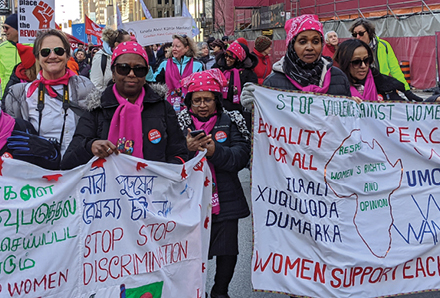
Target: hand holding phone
{"points": [[195, 133]]}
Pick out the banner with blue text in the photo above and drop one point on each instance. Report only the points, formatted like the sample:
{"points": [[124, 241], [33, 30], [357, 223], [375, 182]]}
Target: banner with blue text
{"points": [[118, 227], [346, 197]]}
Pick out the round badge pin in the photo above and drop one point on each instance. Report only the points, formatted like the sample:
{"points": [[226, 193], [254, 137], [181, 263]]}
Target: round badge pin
{"points": [[154, 136], [220, 136]]}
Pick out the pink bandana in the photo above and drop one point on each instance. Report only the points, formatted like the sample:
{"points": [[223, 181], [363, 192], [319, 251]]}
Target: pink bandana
{"points": [[209, 80], [302, 23], [236, 49], [129, 47]]}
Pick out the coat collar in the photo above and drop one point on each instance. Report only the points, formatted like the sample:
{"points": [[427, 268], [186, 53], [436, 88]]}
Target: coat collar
{"points": [[108, 98]]}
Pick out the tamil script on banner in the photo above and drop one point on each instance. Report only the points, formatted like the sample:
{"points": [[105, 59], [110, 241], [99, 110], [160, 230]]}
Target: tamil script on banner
{"points": [[346, 197], [34, 16], [119, 227], [159, 30]]}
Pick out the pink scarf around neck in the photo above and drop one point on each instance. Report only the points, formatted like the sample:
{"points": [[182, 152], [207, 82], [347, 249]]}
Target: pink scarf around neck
{"points": [[6, 126], [64, 80], [126, 125], [314, 88], [237, 84], [370, 92], [207, 127], [173, 78]]}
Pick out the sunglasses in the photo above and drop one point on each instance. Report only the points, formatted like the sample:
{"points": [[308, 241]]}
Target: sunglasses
{"points": [[125, 69], [6, 28], [198, 102], [358, 62], [59, 51], [230, 56], [360, 33]]}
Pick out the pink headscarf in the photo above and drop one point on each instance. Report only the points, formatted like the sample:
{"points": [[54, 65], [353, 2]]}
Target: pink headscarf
{"points": [[302, 23], [209, 80], [237, 50], [129, 47]]}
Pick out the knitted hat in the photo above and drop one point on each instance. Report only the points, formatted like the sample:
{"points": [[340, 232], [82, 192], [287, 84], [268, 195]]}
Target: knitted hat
{"points": [[236, 49], [26, 55], [129, 47], [12, 21], [302, 23], [242, 40], [211, 80], [262, 43], [217, 43]]}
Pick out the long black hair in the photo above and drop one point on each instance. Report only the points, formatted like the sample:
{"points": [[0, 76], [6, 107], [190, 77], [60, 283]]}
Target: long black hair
{"points": [[344, 54]]}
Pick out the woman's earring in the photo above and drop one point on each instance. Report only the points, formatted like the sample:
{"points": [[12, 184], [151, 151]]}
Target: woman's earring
{"points": [[113, 79]]}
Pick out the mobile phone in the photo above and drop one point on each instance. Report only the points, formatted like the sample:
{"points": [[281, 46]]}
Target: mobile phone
{"points": [[195, 133]]}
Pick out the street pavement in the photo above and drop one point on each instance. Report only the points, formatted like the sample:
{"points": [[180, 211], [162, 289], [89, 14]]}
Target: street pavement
{"points": [[241, 286]]}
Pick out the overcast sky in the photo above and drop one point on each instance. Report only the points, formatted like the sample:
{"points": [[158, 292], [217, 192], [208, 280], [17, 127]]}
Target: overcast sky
{"points": [[66, 10]]}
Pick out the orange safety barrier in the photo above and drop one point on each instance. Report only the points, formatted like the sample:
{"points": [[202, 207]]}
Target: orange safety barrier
{"points": [[404, 66]]}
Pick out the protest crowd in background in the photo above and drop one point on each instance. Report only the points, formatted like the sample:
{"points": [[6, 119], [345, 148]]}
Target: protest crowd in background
{"points": [[62, 106]]}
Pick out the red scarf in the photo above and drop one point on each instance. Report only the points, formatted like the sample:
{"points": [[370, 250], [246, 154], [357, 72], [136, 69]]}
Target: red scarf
{"points": [[370, 92], [173, 78], [207, 127], [6, 126], [64, 80], [126, 125], [237, 84]]}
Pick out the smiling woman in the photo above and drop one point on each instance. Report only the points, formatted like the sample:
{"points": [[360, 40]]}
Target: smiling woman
{"points": [[54, 101], [129, 117]]}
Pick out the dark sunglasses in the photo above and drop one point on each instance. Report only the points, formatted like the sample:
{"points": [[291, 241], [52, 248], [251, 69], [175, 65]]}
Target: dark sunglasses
{"points": [[230, 56], [358, 62], [125, 69], [6, 28], [59, 51], [360, 33]]}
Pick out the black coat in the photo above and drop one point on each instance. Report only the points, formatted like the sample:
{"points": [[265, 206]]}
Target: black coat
{"points": [[230, 156], [339, 84], [156, 114]]}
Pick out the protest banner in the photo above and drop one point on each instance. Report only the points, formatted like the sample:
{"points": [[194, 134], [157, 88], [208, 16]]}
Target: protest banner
{"points": [[345, 197], [159, 30], [119, 227], [92, 28], [34, 16]]}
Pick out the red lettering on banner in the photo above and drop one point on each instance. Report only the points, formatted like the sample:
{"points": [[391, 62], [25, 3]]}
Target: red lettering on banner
{"points": [[406, 267], [105, 240], [48, 281], [156, 231], [28, 33], [433, 136]]}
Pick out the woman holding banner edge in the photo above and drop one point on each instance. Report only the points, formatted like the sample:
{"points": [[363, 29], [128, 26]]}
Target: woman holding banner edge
{"points": [[303, 67]]}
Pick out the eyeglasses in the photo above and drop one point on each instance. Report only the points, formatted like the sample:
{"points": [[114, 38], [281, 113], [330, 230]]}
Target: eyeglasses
{"points": [[198, 102], [358, 62], [360, 33], [230, 56], [125, 69], [59, 51], [6, 28]]}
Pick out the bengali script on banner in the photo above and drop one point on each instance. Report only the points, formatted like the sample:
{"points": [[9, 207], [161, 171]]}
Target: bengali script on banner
{"points": [[119, 227], [346, 197]]}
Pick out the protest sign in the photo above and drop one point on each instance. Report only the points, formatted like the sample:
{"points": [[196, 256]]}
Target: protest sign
{"points": [[159, 30], [116, 227], [34, 16], [92, 28], [346, 199]]}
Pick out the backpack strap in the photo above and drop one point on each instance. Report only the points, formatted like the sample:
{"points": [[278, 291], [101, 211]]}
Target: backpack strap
{"points": [[103, 63]]}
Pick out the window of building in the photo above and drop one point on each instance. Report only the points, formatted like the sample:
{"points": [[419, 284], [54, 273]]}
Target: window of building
{"points": [[159, 14], [159, 2], [167, 1]]}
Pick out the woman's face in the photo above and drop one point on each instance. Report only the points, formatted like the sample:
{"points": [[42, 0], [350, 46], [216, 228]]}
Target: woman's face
{"points": [[361, 29], [205, 51], [53, 66], [359, 71], [230, 59], [129, 85], [203, 103], [266, 51], [216, 49], [308, 46], [179, 50]]}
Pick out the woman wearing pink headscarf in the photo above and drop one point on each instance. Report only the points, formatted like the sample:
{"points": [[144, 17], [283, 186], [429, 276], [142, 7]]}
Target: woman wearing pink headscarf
{"points": [[130, 117], [227, 144], [303, 67]]}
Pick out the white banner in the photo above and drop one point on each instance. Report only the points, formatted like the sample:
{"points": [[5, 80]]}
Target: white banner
{"points": [[122, 227], [346, 197], [159, 30], [34, 16]]}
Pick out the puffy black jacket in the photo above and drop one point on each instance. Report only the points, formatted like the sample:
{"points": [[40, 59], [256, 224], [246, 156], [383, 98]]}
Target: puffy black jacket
{"points": [[157, 114], [230, 156], [339, 84]]}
